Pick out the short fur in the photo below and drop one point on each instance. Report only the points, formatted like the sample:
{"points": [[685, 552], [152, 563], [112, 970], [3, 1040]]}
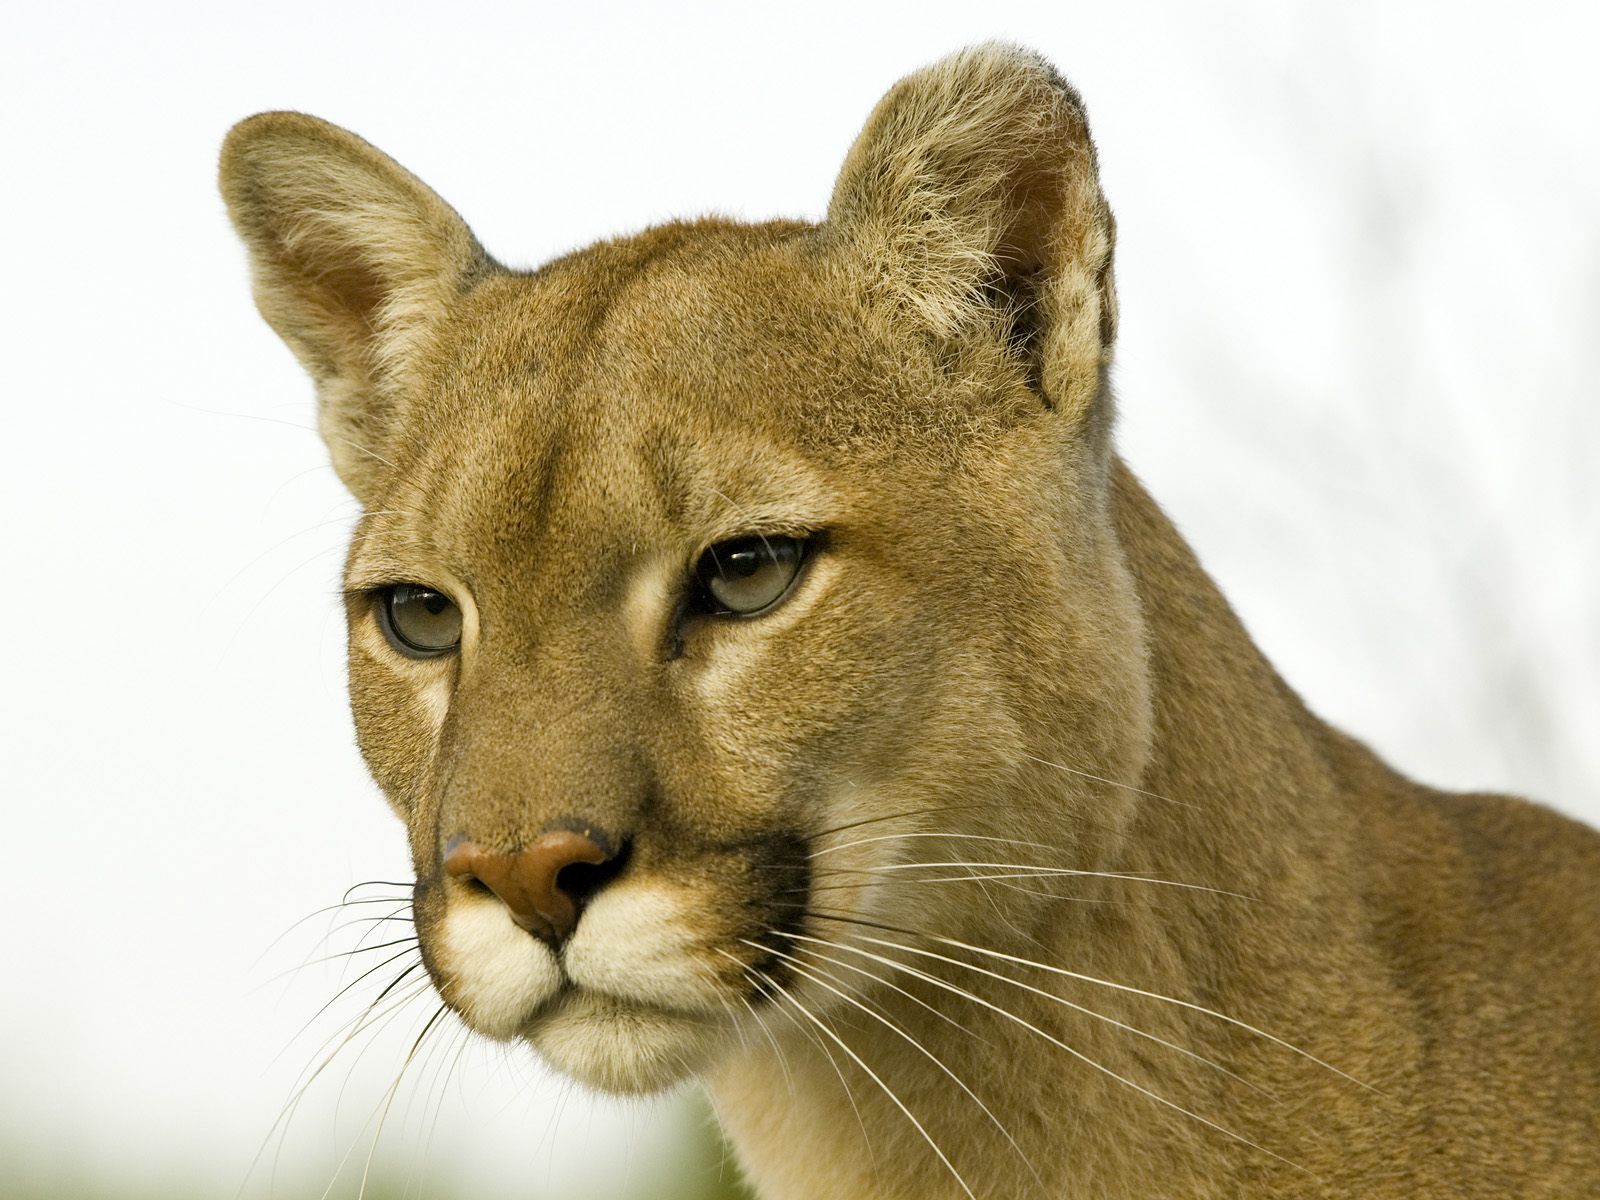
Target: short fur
{"points": [[1278, 969]]}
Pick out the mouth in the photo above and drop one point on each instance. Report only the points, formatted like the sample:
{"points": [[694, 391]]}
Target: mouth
{"points": [[626, 1006], [618, 1045]]}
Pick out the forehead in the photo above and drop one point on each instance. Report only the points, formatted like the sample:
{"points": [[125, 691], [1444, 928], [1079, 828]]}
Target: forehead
{"points": [[693, 377], [695, 382]]}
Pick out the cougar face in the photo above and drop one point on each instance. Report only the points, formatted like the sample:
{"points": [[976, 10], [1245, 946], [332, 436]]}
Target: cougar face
{"points": [[623, 789]]}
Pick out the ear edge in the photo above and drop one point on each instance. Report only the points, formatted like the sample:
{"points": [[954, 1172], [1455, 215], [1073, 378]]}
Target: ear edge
{"points": [[282, 171], [974, 186], [353, 260]]}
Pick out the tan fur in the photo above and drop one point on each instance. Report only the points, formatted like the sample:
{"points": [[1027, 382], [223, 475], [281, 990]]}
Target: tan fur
{"points": [[999, 641]]}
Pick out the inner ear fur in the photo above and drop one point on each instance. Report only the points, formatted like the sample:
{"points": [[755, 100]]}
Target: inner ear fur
{"points": [[974, 188], [355, 261]]}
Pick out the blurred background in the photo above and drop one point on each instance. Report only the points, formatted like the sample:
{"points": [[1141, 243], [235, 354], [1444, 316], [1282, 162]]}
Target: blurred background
{"points": [[1359, 264]]}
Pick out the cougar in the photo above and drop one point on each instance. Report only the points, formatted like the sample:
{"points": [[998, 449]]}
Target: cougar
{"points": [[786, 686]]}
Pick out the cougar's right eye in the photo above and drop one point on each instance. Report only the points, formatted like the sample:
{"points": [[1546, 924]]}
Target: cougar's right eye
{"points": [[419, 621]]}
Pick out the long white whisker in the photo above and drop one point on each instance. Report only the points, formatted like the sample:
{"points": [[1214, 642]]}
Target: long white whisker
{"points": [[889, 983], [272, 945], [1127, 787], [365, 1021], [328, 958], [965, 837], [772, 989], [463, 1039], [777, 1050], [1065, 1003], [1120, 987], [815, 976], [383, 1116], [329, 1003], [1006, 881], [1055, 1041], [887, 1091], [1045, 870]]}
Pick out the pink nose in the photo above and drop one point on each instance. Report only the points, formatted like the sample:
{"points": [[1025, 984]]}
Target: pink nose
{"points": [[528, 881]]}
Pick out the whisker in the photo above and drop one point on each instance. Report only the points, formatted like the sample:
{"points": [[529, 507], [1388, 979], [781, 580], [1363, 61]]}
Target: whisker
{"points": [[464, 1040], [1121, 987], [888, 983], [887, 1091], [405, 941], [1061, 1000], [424, 1092], [329, 1003], [372, 923], [408, 884], [783, 1059], [1021, 871], [746, 516], [1127, 787], [845, 887], [900, 1032], [772, 990], [1041, 870], [350, 1075], [366, 1020], [317, 913], [977, 806], [965, 837], [263, 597], [1076, 1053], [394, 1089], [299, 1088], [343, 519]]}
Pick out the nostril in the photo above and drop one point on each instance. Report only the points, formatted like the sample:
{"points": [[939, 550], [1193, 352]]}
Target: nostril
{"points": [[581, 880], [542, 885]]}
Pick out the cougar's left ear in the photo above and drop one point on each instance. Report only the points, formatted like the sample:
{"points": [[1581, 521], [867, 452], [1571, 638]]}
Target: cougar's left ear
{"points": [[355, 263], [974, 187]]}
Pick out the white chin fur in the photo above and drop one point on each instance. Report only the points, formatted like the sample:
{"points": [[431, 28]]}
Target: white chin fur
{"points": [[500, 974], [638, 943], [620, 1047]]}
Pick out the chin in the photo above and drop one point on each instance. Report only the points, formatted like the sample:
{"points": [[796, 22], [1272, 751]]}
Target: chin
{"points": [[620, 1046]]}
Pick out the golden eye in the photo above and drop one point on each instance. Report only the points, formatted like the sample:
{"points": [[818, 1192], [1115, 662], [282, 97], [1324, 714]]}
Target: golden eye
{"points": [[747, 575], [419, 621]]}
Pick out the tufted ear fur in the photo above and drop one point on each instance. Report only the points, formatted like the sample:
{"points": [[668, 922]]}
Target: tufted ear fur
{"points": [[973, 188], [355, 261]]}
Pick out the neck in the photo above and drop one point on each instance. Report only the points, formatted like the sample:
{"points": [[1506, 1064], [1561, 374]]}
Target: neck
{"points": [[1090, 1089]]}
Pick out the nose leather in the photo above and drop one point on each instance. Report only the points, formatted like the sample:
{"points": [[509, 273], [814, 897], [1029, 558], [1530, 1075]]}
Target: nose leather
{"points": [[526, 880]]}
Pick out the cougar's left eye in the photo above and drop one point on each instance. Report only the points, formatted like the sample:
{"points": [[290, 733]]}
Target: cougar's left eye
{"points": [[747, 575], [419, 621]]}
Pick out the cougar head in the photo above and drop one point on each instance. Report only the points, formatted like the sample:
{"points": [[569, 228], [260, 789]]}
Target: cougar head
{"points": [[714, 584]]}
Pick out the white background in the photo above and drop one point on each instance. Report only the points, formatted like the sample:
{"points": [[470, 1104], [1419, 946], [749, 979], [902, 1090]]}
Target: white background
{"points": [[1360, 272]]}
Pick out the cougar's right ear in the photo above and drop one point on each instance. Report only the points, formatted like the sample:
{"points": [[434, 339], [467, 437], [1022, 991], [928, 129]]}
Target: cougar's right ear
{"points": [[355, 263]]}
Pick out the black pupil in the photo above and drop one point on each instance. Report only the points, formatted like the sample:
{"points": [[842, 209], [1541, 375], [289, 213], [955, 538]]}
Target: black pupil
{"points": [[434, 602], [745, 562]]}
